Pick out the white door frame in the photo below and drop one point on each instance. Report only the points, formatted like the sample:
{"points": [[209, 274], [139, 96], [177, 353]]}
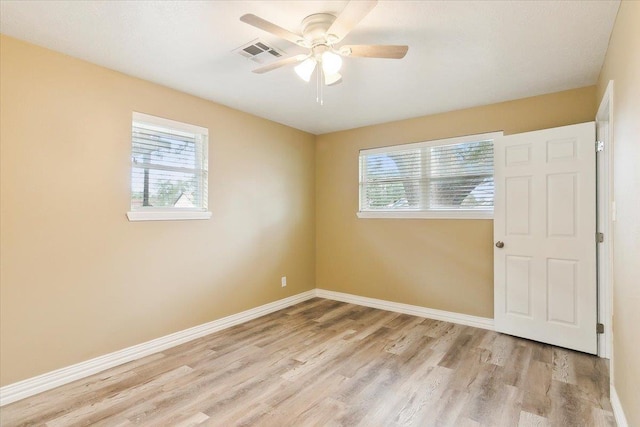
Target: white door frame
{"points": [[606, 217]]}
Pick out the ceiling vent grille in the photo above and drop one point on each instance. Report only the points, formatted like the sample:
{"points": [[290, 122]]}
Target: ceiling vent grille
{"points": [[259, 51]]}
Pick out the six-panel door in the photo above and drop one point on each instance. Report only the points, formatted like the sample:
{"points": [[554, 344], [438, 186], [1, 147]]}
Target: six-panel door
{"points": [[545, 215]]}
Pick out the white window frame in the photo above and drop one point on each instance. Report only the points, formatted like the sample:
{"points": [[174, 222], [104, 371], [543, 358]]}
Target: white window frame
{"points": [[426, 214], [168, 213]]}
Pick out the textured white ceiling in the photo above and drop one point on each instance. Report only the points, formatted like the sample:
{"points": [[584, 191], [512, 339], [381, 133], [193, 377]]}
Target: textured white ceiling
{"points": [[461, 53]]}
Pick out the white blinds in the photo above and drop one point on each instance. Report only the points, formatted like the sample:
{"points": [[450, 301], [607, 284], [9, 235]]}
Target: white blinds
{"points": [[169, 164], [447, 177]]}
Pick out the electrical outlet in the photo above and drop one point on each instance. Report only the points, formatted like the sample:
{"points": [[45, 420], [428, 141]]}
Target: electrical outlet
{"points": [[283, 281]]}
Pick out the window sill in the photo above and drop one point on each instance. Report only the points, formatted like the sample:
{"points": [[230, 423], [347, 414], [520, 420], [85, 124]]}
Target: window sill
{"points": [[427, 214], [167, 215]]}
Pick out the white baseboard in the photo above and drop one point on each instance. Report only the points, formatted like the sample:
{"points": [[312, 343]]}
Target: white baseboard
{"points": [[20, 390], [415, 310], [618, 412]]}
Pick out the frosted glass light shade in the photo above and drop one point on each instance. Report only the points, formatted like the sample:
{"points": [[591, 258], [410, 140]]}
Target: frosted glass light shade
{"points": [[331, 63], [305, 69], [330, 79]]}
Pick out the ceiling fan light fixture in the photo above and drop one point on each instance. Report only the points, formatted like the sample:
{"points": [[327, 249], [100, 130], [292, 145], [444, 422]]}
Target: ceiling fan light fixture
{"points": [[331, 62], [304, 70], [331, 79]]}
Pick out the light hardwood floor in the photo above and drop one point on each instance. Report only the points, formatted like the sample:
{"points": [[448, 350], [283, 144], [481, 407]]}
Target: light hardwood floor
{"points": [[327, 363]]}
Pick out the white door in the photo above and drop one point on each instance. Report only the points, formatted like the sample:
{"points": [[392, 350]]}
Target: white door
{"points": [[544, 230]]}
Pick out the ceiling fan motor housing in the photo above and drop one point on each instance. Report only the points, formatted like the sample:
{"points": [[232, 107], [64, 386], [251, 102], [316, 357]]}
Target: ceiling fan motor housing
{"points": [[315, 27]]}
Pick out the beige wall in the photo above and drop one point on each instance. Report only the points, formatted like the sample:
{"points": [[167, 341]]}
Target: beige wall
{"points": [[441, 264], [78, 280], [622, 65]]}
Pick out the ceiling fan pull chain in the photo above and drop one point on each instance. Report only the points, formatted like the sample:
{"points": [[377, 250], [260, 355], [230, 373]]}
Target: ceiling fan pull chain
{"points": [[319, 91], [321, 85]]}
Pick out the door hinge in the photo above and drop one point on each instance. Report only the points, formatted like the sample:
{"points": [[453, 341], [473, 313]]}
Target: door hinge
{"points": [[599, 328], [599, 146], [599, 237]]}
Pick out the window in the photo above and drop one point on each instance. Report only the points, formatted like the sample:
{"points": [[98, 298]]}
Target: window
{"points": [[168, 169], [451, 178]]}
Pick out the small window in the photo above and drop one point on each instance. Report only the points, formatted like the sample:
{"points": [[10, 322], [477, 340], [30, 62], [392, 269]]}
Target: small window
{"points": [[451, 178], [169, 169]]}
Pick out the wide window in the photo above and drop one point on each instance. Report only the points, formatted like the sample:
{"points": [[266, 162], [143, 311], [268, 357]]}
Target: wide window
{"points": [[169, 168], [451, 178]]}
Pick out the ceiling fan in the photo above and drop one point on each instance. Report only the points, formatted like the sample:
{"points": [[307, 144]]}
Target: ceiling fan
{"points": [[320, 34]]}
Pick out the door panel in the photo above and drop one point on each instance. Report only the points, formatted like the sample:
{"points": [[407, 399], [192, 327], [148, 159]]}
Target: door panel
{"points": [[518, 218], [562, 290], [561, 205], [545, 274], [518, 285]]}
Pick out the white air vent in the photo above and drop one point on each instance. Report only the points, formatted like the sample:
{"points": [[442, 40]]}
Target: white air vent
{"points": [[259, 51]]}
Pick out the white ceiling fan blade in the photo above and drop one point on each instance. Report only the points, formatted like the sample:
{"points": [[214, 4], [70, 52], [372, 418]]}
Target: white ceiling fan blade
{"points": [[375, 51], [280, 63], [353, 13], [272, 28]]}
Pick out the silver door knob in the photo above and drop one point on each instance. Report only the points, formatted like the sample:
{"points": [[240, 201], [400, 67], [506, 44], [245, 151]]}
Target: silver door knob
{"points": [[499, 244]]}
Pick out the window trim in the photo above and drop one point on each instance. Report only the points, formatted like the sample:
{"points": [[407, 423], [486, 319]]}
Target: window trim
{"points": [[165, 215], [426, 214], [168, 214], [440, 214]]}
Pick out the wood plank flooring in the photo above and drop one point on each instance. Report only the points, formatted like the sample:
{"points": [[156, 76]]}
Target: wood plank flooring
{"points": [[327, 363]]}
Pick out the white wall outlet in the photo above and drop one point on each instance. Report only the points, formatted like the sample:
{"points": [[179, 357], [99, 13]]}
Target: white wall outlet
{"points": [[283, 280]]}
